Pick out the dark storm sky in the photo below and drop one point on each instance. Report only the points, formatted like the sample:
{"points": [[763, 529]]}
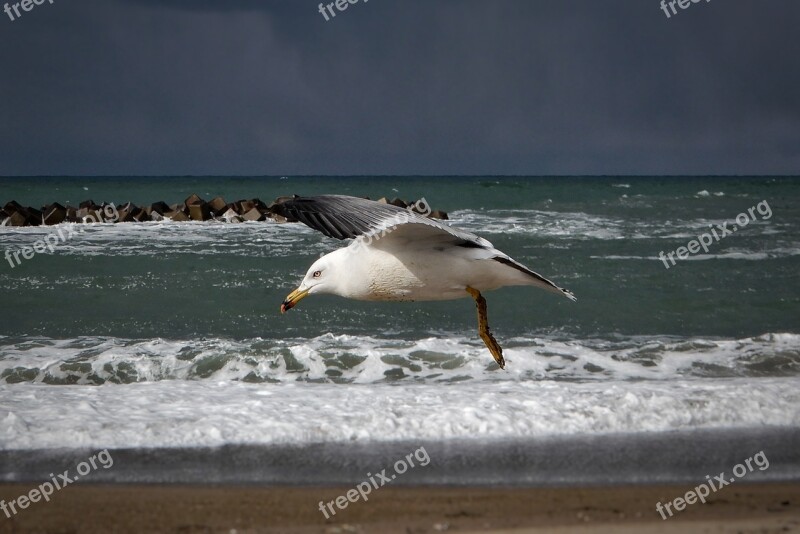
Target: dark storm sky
{"points": [[400, 87]]}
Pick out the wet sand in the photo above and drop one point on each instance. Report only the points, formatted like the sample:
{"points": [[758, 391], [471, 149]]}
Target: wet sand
{"points": [[763, 508]]}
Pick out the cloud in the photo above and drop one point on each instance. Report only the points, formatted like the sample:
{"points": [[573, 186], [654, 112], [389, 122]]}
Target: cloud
{"points": [[449, 87]]}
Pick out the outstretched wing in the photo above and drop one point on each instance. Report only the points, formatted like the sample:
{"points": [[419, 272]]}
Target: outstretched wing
{"points": [[345, 217]]}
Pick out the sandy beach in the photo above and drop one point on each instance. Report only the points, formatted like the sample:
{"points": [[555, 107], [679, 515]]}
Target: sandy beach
{"points": [[131, 508]]}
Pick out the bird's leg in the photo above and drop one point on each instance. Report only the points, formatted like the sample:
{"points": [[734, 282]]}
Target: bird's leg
{"points": [[483, 328]]}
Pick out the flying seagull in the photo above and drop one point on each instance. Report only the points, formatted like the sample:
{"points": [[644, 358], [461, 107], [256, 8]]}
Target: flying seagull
{"points": [[399, 255]]}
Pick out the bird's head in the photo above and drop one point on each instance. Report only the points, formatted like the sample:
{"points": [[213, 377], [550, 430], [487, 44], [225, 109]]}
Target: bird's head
{"points": [[322, 277]]}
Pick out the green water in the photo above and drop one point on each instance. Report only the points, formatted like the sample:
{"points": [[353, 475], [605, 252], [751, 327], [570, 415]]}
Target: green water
{"points": [[599, 237]]}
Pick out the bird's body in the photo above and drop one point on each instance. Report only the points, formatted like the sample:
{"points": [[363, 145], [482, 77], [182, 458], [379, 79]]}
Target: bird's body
{"points": [[399, 255], [396, 270]]}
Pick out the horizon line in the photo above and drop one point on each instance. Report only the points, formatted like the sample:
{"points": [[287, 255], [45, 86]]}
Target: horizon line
{"points": [[401, 175]]}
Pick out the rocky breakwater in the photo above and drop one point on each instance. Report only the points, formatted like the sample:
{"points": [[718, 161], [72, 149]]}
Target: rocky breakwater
{"points": [[194, 208]]}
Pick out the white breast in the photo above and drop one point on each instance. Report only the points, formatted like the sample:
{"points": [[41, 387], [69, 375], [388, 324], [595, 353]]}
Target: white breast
{"points": [[390, 279]]}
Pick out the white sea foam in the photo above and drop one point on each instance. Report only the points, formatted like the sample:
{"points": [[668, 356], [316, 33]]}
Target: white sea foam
{"points": [[584, 226], [574, 225], [213, 413], [164, 237], [265, 238], [731, 254], [370, 360]]}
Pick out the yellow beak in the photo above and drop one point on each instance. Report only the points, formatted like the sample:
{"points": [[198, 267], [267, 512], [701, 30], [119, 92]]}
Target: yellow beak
{"points": [[293, 298]]}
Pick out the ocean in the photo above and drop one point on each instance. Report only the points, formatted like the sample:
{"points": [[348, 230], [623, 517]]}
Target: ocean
{"points": [[164, 340]]}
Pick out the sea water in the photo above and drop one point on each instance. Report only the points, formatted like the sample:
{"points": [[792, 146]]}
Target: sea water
{"points": [[168, 335]]}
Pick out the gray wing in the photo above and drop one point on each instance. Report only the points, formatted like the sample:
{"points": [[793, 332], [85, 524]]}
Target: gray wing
{"points": [[345, 217]]}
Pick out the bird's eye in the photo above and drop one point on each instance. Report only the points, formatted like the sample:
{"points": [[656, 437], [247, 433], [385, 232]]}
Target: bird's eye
{"points": [[317, 274]]}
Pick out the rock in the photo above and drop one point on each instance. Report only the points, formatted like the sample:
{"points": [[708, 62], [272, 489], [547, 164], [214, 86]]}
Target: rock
{"points": [[12, 206], [276, 213], [127, 212], [193, 199], [72, 214], [193, 208], [253, 215], [34, 216], [244, 206], [199, 211], [231, 216], [278, 218], [16, 219], [218, 206], [55, 213], [177, 216], [24, 216], [87, 215], [140, 215], [132, 213], [159, 207]]}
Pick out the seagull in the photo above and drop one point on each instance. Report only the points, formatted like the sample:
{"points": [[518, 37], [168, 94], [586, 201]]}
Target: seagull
{"points": [[397, 254]]}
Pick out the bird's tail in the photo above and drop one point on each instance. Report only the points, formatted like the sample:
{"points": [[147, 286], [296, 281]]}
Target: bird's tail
{"points": [[536, 279]]}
